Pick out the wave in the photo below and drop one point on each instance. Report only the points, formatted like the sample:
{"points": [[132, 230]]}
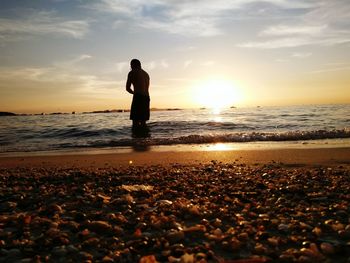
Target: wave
{"points": [[77, 133], [220, 138], [161, 128]]}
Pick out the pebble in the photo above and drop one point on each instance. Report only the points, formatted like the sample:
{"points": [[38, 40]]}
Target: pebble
{"points": [[217, 222], [108, 259], [260, 249], [59, 251], [243, 236], [72, 249], [14, 252], [273, 241], [287, 258], [193, 210], [338, 226], [283, 227], [327, 248], [175, 236], [164, 202], [55, 208], [317, 231], [91, 242], [100, 227], [187, 258], [7, 206], [195, 228], [180, 213], [85, 255], [235, 244], [26, 260]]}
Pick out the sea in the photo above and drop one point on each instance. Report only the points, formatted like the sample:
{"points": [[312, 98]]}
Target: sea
{"points": [[242, 125]]}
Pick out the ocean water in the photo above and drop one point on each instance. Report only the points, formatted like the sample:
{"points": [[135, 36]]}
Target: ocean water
{"points": [[190, 126]]}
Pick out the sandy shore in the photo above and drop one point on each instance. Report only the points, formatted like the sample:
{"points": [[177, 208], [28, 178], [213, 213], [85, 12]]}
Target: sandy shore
{"points": [[297, 157], [285, 205]]}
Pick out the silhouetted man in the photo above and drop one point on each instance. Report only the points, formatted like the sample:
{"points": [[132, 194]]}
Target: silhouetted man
{"points": [[139, 79]]}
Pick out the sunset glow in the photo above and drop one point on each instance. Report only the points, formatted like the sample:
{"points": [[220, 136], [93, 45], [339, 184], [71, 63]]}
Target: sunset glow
{"points": [[74, 55], [221, 147], [217, 94]]}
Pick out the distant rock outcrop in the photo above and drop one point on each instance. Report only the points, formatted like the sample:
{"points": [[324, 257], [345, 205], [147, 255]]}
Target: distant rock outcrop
{"points": [[4, 113]]}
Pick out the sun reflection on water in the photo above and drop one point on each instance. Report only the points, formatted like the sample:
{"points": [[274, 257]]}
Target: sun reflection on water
{"points": [[216, 111], [216, 94], [217, 119], [221, 147]]}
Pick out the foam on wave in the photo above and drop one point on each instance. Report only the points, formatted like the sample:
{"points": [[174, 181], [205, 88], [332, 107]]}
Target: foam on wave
{"points": [[233, 137]]}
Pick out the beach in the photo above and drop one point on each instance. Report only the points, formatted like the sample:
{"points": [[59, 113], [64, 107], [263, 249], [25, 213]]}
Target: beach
{"points": [[257, 205], [175, 131], [299, 156]]}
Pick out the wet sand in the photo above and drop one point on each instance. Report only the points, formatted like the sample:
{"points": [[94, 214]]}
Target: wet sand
{"points": [[286, 205], [290, 157]]}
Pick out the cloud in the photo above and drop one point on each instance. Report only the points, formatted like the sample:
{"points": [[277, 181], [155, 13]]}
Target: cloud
{"points": [[41, 23], [58, 86], [66, 76], [281, 60], [186, 49], [296, 42], [330, 12], [121, 6], [326, 23], [330, 70], [122, 66], [156, 64], [190, 26], [203, 18], [208, 63], [72, 63], [26, 73], [179, 80], [301, 54], [187, 63], [283, 30], [332, 67], [164, 64]]}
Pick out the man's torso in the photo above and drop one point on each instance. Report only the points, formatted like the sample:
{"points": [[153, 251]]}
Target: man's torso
{"points": [[140, 81]]}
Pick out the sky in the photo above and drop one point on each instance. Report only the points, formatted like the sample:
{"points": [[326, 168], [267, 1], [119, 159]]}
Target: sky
{"points": [[66, 55]]}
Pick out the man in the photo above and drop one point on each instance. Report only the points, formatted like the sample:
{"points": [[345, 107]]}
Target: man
{"points": [[139, 79]]}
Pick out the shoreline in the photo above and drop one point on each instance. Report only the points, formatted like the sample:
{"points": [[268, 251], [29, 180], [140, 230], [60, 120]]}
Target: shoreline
{"points": [[186, 147], [304, 156]]}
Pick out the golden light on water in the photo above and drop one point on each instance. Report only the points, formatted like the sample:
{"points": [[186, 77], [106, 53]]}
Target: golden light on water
{"points": [[220, 147], [217, 94], [217, 118]]}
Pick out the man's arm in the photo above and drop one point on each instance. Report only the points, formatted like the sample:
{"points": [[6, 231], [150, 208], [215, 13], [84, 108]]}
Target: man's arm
{"points": [[128, 85], [147, 81]]}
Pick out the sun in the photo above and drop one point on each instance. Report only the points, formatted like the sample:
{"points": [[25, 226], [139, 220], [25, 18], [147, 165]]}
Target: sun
{"points": [[216, 94]]}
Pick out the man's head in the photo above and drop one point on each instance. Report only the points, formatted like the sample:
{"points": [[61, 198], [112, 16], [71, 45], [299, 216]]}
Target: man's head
{"points": [[135, 64]]}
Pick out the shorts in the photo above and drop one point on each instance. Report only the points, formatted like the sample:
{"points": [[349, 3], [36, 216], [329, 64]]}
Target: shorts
{"points": [[140, 108]]}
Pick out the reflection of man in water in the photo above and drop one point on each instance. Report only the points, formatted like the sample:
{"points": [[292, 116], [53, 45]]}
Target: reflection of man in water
{"points": [[139, 78]]}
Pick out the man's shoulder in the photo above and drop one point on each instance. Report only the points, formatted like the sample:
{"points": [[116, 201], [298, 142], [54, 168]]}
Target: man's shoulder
{"points": [[145, 73], [137, 74], [131, 74]]}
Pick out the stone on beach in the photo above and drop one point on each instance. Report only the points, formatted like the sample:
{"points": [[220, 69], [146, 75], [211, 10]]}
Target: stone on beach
{"points": [[100, 227], [179, 213]]}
